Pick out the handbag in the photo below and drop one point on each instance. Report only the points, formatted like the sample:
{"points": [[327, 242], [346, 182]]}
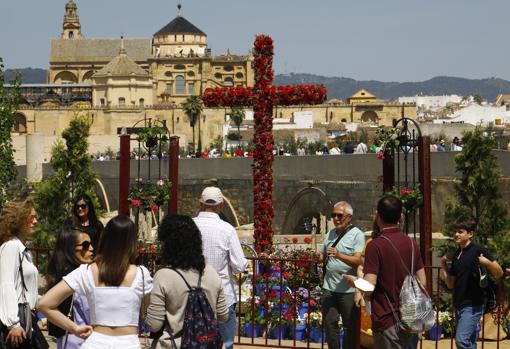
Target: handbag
{"points": [[326, 259]]}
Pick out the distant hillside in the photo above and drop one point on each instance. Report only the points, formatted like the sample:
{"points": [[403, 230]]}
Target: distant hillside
{"points": [[345, 87], [28, 75]]}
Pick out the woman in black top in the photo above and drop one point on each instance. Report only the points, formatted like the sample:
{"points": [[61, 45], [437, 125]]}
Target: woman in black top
{"points": [[85, 219]]}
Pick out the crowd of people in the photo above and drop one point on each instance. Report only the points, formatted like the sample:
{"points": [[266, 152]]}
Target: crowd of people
{"points": [[96, 292]]}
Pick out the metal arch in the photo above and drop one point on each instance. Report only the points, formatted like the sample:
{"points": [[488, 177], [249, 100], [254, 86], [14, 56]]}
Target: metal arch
{"points": [[407, 137]]}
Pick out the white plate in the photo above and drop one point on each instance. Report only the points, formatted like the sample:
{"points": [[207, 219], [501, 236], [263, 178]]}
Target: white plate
{"points": [[364, 285]]}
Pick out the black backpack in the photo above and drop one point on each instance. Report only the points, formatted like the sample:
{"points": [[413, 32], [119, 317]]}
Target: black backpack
{"points": [[200, 329]]}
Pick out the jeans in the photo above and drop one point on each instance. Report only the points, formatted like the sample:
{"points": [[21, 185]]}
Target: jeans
{"points": [[466, 320], [394, 338], [333, 305], [228, 329]]}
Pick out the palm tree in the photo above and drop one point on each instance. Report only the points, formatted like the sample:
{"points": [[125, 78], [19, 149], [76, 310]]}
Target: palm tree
{"points": [[237, 115], [193, 107]]}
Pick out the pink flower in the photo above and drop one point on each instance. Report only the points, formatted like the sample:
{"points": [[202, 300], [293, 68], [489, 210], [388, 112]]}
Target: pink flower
{"points": [[160, 183], [380, 155], [154, 208], [135, 203], [405, 191]]}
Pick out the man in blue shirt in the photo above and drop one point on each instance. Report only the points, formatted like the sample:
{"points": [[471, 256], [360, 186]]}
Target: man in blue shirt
{"points": [[341, 252]]}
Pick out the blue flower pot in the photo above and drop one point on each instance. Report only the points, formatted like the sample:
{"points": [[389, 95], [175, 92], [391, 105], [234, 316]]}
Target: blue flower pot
{"points": [[257, 330], [435, 332], [316, 334], [300, 333], [260, 289], [303, 310], [279, 332], [341, 338], [508, 331]]}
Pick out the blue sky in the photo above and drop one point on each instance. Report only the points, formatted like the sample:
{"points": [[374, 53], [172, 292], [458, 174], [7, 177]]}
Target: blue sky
{"points": [[387, 40]]}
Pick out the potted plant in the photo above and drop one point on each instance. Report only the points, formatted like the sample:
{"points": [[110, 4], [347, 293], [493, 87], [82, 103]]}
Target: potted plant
{"points": [[253, 320], [444, 319], [314, 318], [149, 196], [150, 136]]}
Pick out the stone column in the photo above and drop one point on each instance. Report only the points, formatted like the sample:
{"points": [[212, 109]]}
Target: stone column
{"points": [[35, 156]]}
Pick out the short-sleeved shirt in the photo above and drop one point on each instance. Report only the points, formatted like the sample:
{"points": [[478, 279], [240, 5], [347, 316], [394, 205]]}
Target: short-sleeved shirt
{"points": [[352, 242], [382, 260], [465, 269], [110, 305]]}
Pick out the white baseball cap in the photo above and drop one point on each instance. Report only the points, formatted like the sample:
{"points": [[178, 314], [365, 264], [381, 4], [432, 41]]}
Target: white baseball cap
{"points": [[211, 196]]}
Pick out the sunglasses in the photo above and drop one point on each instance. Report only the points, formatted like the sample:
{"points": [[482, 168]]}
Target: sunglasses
{"points": [[85, 245], [82, 206], [337, 215]]}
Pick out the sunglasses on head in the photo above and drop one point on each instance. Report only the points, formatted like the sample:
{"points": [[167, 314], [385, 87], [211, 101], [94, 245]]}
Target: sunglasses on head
{"points": [[82, 206], [337, 215], [85, 245]]}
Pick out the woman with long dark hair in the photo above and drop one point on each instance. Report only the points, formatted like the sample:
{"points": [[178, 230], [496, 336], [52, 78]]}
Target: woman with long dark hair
{"points": [[84, 216], [18, 275], [72, 248], [181, 247], [114, 288]]}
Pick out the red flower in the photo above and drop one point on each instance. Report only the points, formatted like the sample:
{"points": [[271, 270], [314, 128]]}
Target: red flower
{"points": [[405, 191], [154, 208], [286, 275], [135, 203], [307, 240], [295, 240], [152, 248], [312, 303], [380, 155]]}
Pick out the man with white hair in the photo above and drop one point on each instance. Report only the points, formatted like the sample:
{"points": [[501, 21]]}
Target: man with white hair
{"points": [[341, 253], [223, 251]]}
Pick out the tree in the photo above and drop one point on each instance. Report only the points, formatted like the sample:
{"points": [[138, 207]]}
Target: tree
{"points": [[478, 99], [193, 107], [9, 101], [237, 115], [72, 176], [478, 194]]}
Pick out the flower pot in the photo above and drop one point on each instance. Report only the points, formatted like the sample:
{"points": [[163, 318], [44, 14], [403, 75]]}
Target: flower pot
{"points": [[477, 332], [341, 338], [260, 289], [279, 332], [256, 328], [435, 332], [302, 310], [508, 331], [277, 290], [300, 332], [316, 334]]}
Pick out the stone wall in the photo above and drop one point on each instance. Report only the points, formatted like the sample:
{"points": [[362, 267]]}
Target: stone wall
{"points": [[303, 185]]}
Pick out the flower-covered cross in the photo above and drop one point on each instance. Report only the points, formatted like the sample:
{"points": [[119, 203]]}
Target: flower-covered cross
{"points": [[262, 97]]}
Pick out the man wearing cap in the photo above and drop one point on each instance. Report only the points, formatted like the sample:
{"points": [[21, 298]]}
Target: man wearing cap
{"points": [[222, 250]]}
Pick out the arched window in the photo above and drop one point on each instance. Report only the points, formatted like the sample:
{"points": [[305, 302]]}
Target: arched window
{"points": [[71, 35], [179, 85], [217, 76], [141, 102], [103, 102], [229, 81], [239, 75], [169, 88], [122, 101]]}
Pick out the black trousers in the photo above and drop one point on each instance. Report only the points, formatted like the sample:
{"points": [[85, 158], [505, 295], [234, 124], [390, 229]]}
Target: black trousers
{"points": [[340, 304]]}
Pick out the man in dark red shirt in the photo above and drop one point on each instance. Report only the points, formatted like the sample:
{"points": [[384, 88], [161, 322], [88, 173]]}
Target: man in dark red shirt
{"points": [[383, 269]]}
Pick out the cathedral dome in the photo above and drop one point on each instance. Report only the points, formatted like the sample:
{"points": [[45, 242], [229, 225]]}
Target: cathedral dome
{"points": [[180, 25]]}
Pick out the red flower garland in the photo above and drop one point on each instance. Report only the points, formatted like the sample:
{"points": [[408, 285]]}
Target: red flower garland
{"points": [[262, 97]]}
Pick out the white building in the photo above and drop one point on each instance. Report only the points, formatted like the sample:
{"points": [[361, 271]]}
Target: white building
{"points": [[475, 114], [431, 102]]}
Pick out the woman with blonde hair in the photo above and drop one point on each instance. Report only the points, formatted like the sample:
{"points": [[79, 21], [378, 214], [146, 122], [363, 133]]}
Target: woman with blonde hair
{"points": [[114, 287], [18, 277]]}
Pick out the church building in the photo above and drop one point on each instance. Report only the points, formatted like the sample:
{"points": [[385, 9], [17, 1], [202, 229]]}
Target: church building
{"points": [[176, 62]]}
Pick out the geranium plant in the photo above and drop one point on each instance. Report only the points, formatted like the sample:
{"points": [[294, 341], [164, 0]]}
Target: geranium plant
{"points": [[150, 136], [387, 138], [411, 198], [314, 318], [149, 196]]}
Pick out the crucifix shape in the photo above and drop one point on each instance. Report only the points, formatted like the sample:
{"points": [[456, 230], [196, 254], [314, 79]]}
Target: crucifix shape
{"points": [[262, 97]]}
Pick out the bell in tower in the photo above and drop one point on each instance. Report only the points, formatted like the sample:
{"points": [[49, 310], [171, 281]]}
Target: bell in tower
{"points": [[71, 28]]}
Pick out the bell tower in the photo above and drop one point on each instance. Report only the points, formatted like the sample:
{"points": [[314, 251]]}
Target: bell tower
{"points": [[72, 27]]}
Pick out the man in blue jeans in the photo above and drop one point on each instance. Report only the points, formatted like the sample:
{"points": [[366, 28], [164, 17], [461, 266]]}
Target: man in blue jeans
{"points": [[464, 277]]}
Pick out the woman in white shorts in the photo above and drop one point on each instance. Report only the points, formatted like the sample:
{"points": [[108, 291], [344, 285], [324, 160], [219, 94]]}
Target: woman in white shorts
{"points": [[114, 287]]}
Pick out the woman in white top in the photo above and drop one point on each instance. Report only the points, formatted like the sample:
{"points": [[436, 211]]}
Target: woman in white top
{"points": [[17, 224], [114, 288]]}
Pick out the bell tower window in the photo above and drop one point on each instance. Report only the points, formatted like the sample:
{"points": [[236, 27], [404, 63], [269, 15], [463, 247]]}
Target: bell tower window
{"points": [[71, 35]]}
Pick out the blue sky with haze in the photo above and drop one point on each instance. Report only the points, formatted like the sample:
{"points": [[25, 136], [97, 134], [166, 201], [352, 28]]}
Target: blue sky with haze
{"points": [[387, 40]]}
